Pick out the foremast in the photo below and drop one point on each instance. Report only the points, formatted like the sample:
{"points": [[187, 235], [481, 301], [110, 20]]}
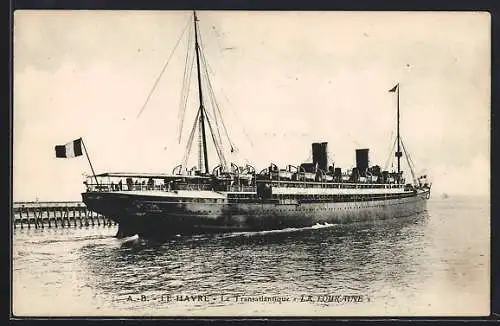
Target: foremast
{"points": [[400, 143], [201, 109], [398, 152]]}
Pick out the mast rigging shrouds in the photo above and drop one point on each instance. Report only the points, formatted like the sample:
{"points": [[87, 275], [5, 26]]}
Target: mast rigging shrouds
{"points": [[189, 143], [411, 165], [215, 105], [400, 143], [186, 81], [390, 154], [211, 116], [161, 73], [200, 93]]}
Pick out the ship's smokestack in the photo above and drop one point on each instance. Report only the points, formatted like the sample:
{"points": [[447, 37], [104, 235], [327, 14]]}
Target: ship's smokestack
{"points": [[319, 151], [362, 161]]}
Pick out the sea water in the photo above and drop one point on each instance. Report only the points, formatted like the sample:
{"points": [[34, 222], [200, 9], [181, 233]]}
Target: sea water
{"points": [[436, 263]]}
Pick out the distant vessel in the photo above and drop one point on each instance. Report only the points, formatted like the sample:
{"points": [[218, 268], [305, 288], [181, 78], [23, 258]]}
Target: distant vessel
{"points": [[238, 198], [444, 195]]}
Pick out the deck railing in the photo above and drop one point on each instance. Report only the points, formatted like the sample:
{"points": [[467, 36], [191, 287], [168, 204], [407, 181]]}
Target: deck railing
{"points": [[107, 187]]}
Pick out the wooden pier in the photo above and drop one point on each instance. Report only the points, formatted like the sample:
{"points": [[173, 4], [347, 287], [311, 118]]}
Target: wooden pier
{"points": [[55, 215]]}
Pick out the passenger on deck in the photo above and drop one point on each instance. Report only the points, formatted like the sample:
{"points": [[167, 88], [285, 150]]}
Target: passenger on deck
{"points": [[130, 183]]}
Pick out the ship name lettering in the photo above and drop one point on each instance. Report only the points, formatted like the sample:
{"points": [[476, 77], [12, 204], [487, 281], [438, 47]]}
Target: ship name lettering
{"points": [[329, 298], [339, 298], [353, 298]]}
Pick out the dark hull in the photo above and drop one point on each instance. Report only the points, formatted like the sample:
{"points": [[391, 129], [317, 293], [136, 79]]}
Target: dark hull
{"points": [[153, 216]]}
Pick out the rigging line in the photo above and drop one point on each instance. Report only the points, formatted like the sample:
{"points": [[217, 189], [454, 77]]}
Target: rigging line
{"points": [[202, 46], [386, 164], [207, 87], [390, 155], [188, 66], [208, 113], [219, 150], [413, 166], [185, 101], [390, 143], [207, 68], [216, 106], [391, 146], [190, 75], [162, 71], [213, 100], [239, 120], [201, 160], [219, 138], [231, 143], [189, 144], [411, 159], [408, 160], [406, 153], [219, 146]]}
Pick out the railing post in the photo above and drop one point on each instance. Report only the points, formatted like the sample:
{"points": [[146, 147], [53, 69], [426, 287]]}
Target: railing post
{"points": [[62, 217], [67, 216], [28, 218], [40, 210], [80, 215], [51, 209], [86, 216], [35, 217], [48, 216]]}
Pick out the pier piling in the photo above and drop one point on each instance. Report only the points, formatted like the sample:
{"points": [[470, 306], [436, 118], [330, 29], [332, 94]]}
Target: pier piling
{"points": [[55, 215]]}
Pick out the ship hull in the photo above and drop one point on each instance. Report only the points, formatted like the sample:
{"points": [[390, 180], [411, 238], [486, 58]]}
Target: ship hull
{"points": [[163, 216]]}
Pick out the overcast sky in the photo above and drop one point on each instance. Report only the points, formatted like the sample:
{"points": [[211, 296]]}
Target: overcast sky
{"points": [[284, 80]]}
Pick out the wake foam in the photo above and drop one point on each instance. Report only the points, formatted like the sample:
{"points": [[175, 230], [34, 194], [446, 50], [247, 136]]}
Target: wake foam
{"points": [[278, 231]]}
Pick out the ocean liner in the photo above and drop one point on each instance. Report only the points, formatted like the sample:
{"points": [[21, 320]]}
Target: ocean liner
{"points": [[231, 198]]}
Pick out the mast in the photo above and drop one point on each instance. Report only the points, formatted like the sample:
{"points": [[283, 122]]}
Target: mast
{"points": [[200, 93], [398, 153]]}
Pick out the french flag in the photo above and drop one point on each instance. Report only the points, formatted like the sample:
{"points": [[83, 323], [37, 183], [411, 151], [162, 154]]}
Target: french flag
{"points": [[71, 149]]}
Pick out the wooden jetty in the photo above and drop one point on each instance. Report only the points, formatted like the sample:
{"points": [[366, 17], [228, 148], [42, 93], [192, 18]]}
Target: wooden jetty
{"points": [[36, 214]]}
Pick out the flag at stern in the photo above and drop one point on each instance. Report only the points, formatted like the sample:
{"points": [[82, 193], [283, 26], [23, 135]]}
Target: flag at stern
{"points": [[69, 150]]}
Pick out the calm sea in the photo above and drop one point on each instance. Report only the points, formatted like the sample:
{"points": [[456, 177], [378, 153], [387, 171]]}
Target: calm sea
{"points": [[435, 263]]}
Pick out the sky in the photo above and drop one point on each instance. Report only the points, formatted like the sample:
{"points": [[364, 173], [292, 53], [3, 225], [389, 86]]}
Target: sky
{"points": [[283, 80]]}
